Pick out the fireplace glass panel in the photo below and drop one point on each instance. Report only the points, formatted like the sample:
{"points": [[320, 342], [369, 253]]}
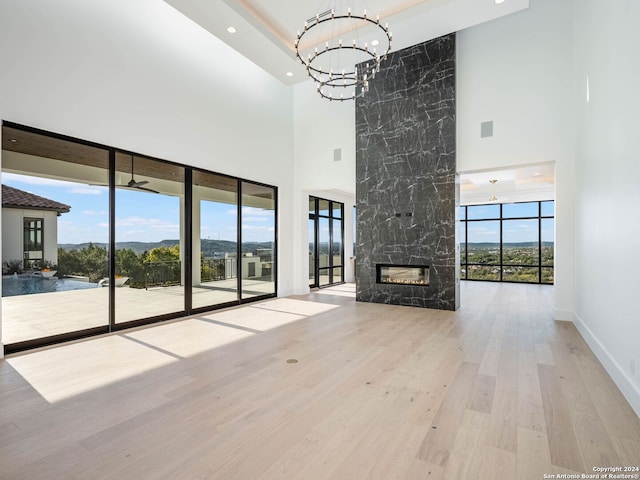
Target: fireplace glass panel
{"points": [[403, 274]]}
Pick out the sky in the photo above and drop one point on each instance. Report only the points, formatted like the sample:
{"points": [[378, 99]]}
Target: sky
{"points": [[140, 216], [513, 230], [149, 217]]}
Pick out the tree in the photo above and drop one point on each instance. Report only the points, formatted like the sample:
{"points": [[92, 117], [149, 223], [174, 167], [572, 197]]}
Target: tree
{"points": [[164, 254], [90, 262]]}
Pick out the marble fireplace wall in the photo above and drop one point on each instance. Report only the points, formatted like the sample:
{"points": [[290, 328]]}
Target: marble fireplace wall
{"points": [[406, 189]]}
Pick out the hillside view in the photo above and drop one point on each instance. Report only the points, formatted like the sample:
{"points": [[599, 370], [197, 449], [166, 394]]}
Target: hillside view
{"points": [[521, 262], [210, 248]]}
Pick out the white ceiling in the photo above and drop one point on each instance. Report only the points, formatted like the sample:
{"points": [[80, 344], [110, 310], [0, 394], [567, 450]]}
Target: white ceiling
{"points": [[517, 184], [266, 30]]}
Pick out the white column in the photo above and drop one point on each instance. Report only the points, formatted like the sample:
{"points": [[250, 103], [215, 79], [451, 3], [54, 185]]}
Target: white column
{"points": [[195, 212]]}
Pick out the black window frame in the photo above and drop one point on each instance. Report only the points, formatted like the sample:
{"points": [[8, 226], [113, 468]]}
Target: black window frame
{"points": [[464, 257], [111, 325], [330, 217], [27, 229]]}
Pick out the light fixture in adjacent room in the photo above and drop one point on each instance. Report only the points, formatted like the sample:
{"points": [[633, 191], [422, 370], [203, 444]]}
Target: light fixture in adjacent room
{"points": [[231, 29], [493, 197], [330, 46]]}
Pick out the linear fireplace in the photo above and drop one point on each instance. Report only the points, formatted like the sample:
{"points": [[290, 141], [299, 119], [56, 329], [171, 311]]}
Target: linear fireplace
{"points": [[417, 275]]}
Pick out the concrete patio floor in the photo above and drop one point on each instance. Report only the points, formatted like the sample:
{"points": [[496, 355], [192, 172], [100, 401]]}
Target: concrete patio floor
{"points": [[28, 317]]}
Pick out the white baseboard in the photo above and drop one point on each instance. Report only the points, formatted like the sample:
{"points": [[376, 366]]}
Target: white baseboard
{"points": [[562, 315], [618, 374]]}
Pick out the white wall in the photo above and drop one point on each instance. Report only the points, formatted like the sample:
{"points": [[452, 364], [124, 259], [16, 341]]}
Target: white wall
{"points": [[320, 127], [13, 228], [607, 192], [516, 71], [141, 76]]}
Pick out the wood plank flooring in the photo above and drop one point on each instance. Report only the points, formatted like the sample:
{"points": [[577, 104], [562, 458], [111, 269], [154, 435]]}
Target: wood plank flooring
{"points": [[322, 387]]}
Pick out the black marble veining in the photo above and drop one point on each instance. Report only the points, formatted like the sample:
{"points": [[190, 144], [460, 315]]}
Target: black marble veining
{"points": [[406, 189]]}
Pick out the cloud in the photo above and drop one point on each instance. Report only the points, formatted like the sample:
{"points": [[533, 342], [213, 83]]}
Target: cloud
{"points": [[29, 180], [87, 190], [257, 228], [70, 187], [93, 213], [258, 212], [140, 224]]}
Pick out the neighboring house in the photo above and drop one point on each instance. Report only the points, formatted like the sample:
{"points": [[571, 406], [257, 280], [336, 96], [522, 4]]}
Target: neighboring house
{"points": [[29, 227]]}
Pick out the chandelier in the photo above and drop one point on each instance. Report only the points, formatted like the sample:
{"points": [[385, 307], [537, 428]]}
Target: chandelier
{"points": [[333, 65], [493, 197]]}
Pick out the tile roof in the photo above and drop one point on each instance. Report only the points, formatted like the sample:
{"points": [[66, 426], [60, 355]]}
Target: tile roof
{"points": [[15, 198]]}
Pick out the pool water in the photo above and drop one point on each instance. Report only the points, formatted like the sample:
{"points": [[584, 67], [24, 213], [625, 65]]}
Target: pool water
{"points": [[26, 285]]}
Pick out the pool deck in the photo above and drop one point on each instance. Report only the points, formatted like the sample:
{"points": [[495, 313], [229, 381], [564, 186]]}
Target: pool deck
{"points": [[27, 317]]}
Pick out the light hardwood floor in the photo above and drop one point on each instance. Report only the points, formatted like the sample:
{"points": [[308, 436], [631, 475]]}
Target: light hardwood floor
{"points": [[322, 387]]}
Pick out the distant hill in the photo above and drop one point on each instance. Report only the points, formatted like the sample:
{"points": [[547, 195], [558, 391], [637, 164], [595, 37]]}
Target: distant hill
{"points": [[209, 247], [509, 245]]}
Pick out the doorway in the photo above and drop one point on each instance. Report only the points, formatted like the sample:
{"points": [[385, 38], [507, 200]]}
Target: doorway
{"points": [[326, 242]]}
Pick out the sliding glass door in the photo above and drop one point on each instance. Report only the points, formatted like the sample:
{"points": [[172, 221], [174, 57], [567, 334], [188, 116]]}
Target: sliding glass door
{"points": [[258, 234], [96, 239], [215, 239], [149, 213], [55, 204]]}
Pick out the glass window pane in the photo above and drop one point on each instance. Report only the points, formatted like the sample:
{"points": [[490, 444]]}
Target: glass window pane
{"points": [[548, 226], [520, 242], [312, 258], [323, 242], [63, 252], [483, 245], [520, 210], [355, 231], [462, 211], [477, 272], [337, 209], [547, 275], [324, 279], [520, 274], [215, 239], [258, 217], [312, 205], [323, 207], [548, 209], [337, 275], [149, 250], [463, 249], [336, 247], [481, 212]]}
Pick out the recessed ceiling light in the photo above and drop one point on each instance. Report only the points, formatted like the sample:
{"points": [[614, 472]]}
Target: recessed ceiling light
{"points": [[289, 74], [498, 2], [231, 29], [375, 42], [13, 140]]}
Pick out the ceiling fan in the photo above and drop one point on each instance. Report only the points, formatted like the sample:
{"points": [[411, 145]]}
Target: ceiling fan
{"points": [[139, 185], [132, 183]]}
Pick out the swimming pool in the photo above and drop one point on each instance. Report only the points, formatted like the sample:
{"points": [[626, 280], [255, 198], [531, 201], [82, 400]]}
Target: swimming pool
{"points": [[26, 285]]}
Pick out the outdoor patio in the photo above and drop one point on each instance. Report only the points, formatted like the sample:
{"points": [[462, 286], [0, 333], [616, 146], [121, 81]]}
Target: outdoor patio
{"points": [[27, 317]]}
